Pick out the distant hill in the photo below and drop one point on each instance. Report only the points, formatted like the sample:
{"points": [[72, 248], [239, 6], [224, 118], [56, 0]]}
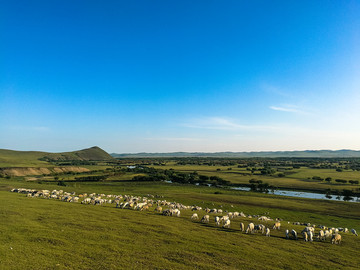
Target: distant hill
{"points": [[12, 158], [93, 153], [275, 154]]}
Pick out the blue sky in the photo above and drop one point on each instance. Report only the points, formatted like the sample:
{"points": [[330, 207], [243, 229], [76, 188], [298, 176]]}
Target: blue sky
{"points": [[163, 76]]}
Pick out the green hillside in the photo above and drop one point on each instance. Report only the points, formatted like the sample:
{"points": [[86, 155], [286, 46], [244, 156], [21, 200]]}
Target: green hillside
{"points": [[12, 158], [93, 153]]}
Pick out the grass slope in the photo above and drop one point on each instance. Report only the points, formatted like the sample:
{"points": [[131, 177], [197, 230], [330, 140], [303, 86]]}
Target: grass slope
{"points": [[93, 153], [38, 233], [11, 158]]}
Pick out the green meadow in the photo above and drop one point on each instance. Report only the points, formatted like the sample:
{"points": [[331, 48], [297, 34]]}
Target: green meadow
{"points": [[294, 179], [38, 233]]}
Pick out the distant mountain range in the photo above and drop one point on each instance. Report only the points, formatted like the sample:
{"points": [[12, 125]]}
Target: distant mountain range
{"points": [[276, 154]]}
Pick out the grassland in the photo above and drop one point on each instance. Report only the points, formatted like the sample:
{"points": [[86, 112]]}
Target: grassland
{"points": [[294, 179], [38, 233], [10, 158]]}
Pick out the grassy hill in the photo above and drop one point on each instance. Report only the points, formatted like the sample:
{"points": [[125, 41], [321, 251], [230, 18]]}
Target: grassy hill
{"points": [[93, 153], [11, 158]]}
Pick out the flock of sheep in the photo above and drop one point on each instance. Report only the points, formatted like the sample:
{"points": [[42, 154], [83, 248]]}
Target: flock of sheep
{"points": [[174, 209]]}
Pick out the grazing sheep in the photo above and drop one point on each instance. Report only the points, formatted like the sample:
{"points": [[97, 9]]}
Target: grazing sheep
{"points": [[250, 228], [321, 235], [166, 212], [294, 234], [217, 221], [264, 218], [194, 217], [242, 226], [336, 239], [242, 214], [354, 232], [309, 229], [259, 227], [346, 230], [287, 234], [305, 235], [327, 233], [310, 236], [175, 212], [227, 224], [267, 232], [277, 225], [158, 209], [205, 219]]}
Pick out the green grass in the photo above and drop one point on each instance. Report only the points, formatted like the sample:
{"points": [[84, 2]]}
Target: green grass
{"points": [[10, 158], [38, 233], [297, 179]]}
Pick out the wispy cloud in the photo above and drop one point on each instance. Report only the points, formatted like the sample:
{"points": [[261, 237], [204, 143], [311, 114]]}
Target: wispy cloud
{"points": [[289, 108], [275, 90], [221, 123], [173, 139]]}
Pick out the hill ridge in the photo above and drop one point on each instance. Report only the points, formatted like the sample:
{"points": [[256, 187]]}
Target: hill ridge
{"points": [[15, 158]]}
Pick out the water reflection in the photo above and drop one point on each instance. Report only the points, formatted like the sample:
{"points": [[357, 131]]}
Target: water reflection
{"points": [[301, 194]]}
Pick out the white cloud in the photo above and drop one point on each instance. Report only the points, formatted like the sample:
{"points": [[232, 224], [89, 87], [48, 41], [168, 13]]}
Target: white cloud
{"points": [[174, 139], [275, 90], [222, 123], [289, 108]]}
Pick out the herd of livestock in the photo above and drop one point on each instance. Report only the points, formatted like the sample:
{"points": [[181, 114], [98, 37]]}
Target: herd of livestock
{"points": [[174, 209]]}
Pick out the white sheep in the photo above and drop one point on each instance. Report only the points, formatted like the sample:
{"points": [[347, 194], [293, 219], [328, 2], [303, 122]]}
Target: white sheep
{"points": [[305, 235], [217, 221], [205, 219], [250, 228], [287, 234], [310, 235], [336, 239], [277, 225], [259, 227], [242, 226], [267, 232], [194, 216], [294, 234], [227, 224], [321, 235]]}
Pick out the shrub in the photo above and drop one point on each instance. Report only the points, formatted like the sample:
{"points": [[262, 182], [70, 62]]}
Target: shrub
{"points": [[340, 181]]}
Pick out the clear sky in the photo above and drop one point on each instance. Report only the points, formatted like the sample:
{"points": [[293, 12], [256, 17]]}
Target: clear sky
{"points": [[164, 76]]}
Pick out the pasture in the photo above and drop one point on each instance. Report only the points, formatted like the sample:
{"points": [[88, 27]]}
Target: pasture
{"points": [[300, 178], [38, 233]]}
